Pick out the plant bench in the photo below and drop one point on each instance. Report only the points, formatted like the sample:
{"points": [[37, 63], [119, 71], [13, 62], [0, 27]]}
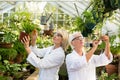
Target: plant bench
{"points": [[34, 75]]}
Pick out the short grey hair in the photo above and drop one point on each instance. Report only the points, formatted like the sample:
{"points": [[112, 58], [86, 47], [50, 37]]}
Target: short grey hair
{"points": [[71, 37]]}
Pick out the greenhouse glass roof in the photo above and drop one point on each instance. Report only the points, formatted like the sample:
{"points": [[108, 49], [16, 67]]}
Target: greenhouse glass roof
{"points": [[71, 7]]}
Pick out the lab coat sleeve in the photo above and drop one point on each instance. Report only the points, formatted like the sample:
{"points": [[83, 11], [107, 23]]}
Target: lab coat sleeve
{"points": [[51, 60], [37, 51], [75, 63], [102, 59]]}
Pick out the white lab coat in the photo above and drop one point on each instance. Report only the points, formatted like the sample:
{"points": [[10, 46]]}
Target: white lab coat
{"points": [[50, 63], [79, 69]]}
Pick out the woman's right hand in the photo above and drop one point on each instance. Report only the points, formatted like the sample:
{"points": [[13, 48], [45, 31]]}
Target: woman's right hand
{"points": [[95, 43]]}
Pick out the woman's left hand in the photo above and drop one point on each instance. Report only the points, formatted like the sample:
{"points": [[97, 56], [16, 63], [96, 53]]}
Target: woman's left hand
{"points": [[26, 41]]}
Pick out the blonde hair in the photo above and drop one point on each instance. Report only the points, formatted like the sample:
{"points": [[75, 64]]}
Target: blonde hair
{"points": [[65, 37]]}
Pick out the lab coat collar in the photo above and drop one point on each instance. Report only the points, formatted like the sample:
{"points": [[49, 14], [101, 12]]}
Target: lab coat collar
{"points": [[77, 53]]}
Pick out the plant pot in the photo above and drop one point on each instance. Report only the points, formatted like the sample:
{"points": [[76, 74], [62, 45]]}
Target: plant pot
{"points": [[19, 58], [22, 35], [48, 32], [5, 45], [110, 5], [110, 69]]}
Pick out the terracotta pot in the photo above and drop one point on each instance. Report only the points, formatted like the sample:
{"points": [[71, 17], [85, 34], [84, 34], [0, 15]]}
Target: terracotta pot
{"points": [[22, 34], [19, 58], [110, 69], [48, 32], [5, 45]]}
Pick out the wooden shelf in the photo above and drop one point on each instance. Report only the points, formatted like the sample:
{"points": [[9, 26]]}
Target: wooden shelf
{"points": [[34, 75]]}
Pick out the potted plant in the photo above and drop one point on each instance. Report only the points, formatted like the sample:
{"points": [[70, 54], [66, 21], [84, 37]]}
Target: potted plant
{"points": [[7, 36], [111, 5], [85, 24], [9, 70], [8, 54], [21, 23], [18, 46], [28, 27]]}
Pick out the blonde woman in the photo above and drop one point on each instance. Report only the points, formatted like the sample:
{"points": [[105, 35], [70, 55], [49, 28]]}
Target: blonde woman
{"points": [[53, 56]]}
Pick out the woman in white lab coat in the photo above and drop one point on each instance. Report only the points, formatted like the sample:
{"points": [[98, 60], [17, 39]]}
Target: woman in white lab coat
{"points": [[81, 65], [53, 56]]}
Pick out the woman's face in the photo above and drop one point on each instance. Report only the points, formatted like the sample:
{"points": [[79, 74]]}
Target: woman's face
{"points": [[78, 41], [57, 38]]}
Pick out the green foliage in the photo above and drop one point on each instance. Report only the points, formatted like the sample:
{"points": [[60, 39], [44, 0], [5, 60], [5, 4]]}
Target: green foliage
{"points": [[115, 49], [21, 21], [9, 69], [115, 46], [98, 10], [103, 9], [5, 78], [19, 47], [8, 54], [105, 76], [16, 19], [0, 58], [44, 41], [111, 5], [85, 24], [79, 24], [9, 37], [88, 17], [63, 70], [28, 26]]}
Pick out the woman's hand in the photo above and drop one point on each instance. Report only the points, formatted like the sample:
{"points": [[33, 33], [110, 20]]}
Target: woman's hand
{"points": [[26, 41], [34, 36], [95, 43], [105, 38]]}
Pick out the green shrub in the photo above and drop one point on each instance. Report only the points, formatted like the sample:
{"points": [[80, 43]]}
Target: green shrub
{"points": [[5, 78], [105, 76], [8, 54]]}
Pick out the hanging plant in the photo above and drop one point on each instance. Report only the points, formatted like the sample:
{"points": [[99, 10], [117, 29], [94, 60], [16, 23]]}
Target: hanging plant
{"points": [[111, 5], [89, 23], [79, 24], [104, 8], [85, 24], [98, 10]]}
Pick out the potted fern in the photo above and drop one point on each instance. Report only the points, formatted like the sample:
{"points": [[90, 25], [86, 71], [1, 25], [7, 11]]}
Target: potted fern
{"points": [[27, 27]]}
